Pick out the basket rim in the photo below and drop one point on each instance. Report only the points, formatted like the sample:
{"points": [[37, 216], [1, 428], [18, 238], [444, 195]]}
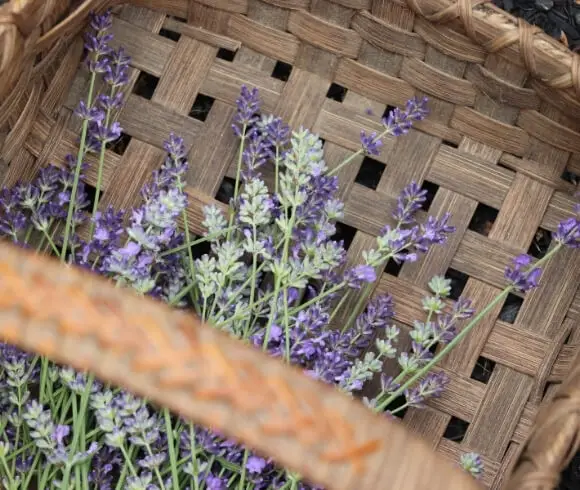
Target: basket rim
{"points": [[485, 24]]}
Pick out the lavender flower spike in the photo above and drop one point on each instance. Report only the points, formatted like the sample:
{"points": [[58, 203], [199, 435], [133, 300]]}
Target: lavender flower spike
{"points": [[522, 280], [248, 104], [371, 143], [568, 232], [399, 122]]}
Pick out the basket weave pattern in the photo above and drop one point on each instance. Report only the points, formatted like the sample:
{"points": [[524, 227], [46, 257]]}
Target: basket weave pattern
{"points": [[496, 136]]}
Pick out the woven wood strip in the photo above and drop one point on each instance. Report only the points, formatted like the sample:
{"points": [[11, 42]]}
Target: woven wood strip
{"points": [[494, 138]]}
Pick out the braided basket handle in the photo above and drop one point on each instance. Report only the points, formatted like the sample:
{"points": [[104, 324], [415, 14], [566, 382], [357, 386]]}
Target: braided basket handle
{"points": [[170, 358]]}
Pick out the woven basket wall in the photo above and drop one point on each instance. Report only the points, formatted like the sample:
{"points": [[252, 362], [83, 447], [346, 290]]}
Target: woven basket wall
{"points": [[503, 129]]}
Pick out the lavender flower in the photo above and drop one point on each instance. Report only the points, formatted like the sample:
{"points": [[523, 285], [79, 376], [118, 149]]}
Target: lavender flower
{"points": [[568, 232], [248, 105], [96, 42], [371, 143], [274, 275], [408, 203], [359, 275], [430, 387], [399, 122], [473, 464], [522, 280]]}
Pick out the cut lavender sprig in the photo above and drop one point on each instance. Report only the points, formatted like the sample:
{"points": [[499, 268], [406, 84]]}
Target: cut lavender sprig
{"points": [[397, 123]]}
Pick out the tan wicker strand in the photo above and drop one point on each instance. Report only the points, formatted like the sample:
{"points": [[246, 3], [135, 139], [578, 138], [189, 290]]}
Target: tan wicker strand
{"points": [[554, 440], [207, 377]]}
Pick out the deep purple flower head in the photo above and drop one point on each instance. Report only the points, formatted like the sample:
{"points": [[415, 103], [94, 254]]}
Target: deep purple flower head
{"points": [[101, 22], [175, 147], [432, 232], [256, 464], [409, 202], [97, 42], [256, 153], [568, 232], [398, 122], [278, 132], [371, 143], [522, 280], [248, 105]]}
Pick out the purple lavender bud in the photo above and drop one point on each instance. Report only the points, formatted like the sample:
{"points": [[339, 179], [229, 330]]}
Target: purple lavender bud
{"points": [[100, 135], [248, 105], [473, 464], [408, 203], [93, 114], [255, 464], [101, 22], [433, 232], [116, 76], [568, 232], [431, 386], [462, 308], [120, 57], [255, 155], [370, 143], [522, 280], [174, 147], [108, 103], [60, 432], [388, 384], [444, 328], [278, 132], [399, 122], [215, 483], [360, 274]]}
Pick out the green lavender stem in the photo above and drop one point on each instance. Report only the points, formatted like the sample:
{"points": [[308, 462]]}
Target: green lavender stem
{"points": [[349, 159], [78, 428], [238, 173], [100, 172], [81, 153], [503, 294], [171, 447]]}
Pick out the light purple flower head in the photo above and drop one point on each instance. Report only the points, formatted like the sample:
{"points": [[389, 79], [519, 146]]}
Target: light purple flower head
{"points": [[359, 275]]}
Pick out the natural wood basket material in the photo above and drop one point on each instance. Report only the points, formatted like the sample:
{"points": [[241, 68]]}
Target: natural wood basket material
{"points": [[554, 440], [206, 376], [504, 126]]}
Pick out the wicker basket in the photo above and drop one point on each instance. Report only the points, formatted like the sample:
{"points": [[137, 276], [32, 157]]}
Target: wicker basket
{"points": [[504, 127]]}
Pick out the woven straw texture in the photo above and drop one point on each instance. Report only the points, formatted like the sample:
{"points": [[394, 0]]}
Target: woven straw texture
{"points": [[504, 127]]}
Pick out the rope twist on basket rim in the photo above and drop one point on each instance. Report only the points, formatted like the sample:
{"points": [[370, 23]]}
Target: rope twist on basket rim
{"points": [[523, 36]]}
